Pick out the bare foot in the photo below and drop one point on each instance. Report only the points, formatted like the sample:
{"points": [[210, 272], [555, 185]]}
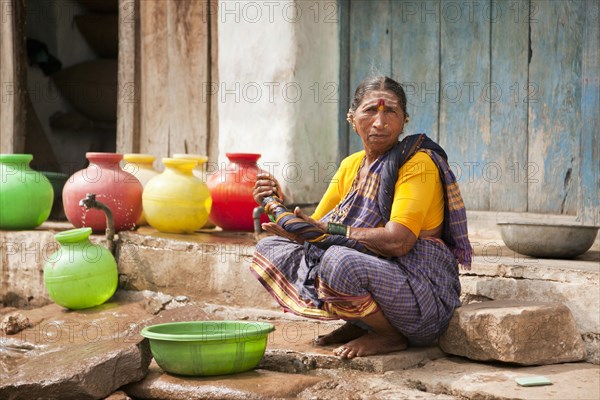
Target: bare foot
{"points": [[372, 343], [342, 334]]}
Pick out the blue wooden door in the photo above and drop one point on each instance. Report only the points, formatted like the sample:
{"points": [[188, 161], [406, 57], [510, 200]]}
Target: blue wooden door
{"points": [[508, 87]]}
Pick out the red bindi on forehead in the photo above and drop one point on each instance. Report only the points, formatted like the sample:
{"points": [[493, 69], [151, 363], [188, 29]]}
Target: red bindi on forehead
{"points": [[380, 104]]}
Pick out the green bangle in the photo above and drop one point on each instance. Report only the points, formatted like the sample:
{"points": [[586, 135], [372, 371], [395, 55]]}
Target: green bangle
{"points": [[337, 229]]}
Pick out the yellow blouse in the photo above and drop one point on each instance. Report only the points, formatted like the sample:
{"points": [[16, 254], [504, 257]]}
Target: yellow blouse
{"points": [[418, 198]]}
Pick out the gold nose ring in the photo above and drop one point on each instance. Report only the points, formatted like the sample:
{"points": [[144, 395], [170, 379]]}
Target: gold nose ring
{"points": [[385, 126]]}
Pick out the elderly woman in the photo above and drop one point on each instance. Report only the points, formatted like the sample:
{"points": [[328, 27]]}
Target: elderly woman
{"points": [[382, 249]]}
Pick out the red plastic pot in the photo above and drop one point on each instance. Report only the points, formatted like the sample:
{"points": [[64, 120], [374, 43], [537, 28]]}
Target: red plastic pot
{"points": [[231, 191], [119, 190]]}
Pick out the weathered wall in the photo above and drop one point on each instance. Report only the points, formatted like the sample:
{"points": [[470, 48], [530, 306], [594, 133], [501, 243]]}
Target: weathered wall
{"points": [[509, 88], [277, 90]]}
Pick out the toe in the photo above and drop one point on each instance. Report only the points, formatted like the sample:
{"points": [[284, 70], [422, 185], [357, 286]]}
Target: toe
{"points": [[342, 351], [351, 354]]}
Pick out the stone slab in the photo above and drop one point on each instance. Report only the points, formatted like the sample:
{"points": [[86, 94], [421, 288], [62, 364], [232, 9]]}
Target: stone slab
{"points": [[85, 354], [472, 380], [575, 283], [342, 384], [526, 333], [255, 384], [291, 349], [118, 395]]}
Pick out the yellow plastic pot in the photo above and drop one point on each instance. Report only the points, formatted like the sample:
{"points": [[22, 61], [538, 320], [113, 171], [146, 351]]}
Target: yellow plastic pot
{"points": [[199, 172], [176, 201], [140, 166]]}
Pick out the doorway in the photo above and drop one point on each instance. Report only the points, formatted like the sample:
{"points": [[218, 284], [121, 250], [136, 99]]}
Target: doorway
{"points": [[72, 50]]}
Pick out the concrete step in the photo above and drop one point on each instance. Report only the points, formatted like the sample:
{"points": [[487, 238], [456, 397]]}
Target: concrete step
{"points": [[212, 266]]}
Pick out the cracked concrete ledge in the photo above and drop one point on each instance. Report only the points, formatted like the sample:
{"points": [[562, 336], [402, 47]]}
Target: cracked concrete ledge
{"points": [[212, 267], [522, 267]]}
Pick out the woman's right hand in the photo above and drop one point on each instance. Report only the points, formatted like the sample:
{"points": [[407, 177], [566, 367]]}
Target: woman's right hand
{"points": [[265, 186]]}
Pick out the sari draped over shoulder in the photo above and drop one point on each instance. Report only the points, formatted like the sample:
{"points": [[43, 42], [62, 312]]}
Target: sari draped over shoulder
{"points": [[334, 277]]}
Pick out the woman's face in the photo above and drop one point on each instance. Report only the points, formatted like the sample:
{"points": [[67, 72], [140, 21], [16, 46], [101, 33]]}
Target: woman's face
{"points": [[379, 121]]}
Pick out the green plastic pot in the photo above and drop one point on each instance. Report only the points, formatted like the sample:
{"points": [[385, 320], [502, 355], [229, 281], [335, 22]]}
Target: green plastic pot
{"points": [[26, 195], [80, 274], [57, 180], [206, 348]]}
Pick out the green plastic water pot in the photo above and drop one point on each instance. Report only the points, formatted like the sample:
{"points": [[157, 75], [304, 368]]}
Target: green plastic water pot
{"points": [[80, 274], [26, 196]]}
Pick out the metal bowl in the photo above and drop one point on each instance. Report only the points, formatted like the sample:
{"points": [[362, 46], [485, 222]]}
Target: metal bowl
{"points": [[548, 240]]}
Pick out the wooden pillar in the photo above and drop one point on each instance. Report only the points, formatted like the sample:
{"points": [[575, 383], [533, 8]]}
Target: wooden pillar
{"points": [[13, 82], [128, 103], [212, 145], [589, 202], [167, 66], [174, 73]]}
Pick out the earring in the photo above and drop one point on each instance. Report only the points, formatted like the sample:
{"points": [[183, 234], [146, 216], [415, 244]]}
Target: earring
{"points": [[407, 119], [350, 117]]}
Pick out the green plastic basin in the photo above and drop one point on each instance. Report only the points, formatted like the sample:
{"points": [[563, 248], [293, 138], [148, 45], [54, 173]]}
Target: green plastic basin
{"points": [[203, 348]]}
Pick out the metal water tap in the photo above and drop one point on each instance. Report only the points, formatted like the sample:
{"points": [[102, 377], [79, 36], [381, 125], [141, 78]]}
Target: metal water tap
{"points": [[89, 201], [256, 213]]}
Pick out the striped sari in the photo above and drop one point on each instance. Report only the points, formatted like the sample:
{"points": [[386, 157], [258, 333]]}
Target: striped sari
{"points": [[417, 292]]}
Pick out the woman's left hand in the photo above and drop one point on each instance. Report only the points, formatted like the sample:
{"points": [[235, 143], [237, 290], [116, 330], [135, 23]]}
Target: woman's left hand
{"points": [[319, 224], [275, 229]]}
